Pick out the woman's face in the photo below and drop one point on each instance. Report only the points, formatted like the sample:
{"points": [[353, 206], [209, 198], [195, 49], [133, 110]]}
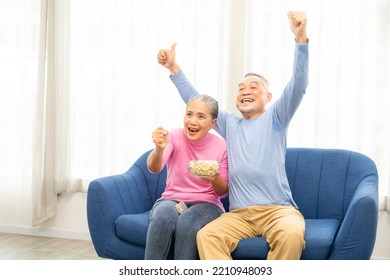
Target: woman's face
{"points": [[198, 120]]}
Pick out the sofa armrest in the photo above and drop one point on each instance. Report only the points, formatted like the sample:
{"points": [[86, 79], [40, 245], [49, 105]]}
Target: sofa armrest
{"points": [[357, 233], [110, 197]]}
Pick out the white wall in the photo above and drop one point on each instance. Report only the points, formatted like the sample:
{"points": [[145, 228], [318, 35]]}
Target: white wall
{"points": [[70, 221], [71, 218], [382, 245]]}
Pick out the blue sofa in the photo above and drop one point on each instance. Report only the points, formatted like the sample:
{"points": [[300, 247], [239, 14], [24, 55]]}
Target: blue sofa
{"points": [[336, 190]]}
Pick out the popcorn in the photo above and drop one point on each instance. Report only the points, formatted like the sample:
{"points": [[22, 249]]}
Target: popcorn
{"points": [[203, 168]]}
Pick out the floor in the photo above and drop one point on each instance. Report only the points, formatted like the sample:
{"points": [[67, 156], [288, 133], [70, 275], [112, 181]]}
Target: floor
{"points": [[26, 247]]}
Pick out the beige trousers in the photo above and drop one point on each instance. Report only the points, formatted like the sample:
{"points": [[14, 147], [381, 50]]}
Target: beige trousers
{"points": [[282, 226]]}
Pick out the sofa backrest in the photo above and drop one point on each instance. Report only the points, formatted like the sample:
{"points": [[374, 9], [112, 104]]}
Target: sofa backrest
{"points": [[151, 185], [323, 181]]}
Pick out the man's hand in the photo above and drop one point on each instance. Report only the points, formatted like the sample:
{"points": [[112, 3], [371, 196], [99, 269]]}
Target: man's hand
{"points": [[298, 25], [167, 58]]}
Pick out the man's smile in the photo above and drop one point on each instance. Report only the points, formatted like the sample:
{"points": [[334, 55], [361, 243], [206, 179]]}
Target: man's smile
{"points": [[245, 100]]}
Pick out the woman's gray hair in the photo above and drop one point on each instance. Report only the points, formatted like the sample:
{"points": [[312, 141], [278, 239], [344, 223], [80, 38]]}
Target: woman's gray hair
{"points": [[209, 101]]}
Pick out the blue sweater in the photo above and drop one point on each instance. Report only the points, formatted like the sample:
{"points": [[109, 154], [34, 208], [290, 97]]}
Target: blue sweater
{"points": [[257, 147]]}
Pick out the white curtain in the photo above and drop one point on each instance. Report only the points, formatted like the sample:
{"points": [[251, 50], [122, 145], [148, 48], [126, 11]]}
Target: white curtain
{"points": [[19, 25], [120, 93], [51, 150], [85, 104]]}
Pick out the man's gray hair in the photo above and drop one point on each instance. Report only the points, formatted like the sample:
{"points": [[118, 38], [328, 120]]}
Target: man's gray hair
{"points": [[209, 101], [261, 77]]}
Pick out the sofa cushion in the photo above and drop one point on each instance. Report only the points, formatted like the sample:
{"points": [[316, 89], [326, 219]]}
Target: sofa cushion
{"points": [[251, 249], [320, 235], [319, 239], [133, 227]]}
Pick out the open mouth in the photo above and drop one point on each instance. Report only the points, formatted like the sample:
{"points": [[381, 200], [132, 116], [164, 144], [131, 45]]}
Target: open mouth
{"points": [[247, 100], [193, 130]]}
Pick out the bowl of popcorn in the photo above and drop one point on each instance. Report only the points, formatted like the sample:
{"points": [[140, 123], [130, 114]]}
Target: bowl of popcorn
{"points": [[203, 168]]}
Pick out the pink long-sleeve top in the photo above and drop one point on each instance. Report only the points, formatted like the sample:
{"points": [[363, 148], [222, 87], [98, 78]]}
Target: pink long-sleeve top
{"points": [[182, 185]]}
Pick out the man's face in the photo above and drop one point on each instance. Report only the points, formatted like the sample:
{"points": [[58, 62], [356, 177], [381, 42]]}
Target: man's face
{"points": [[252, 97]]}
